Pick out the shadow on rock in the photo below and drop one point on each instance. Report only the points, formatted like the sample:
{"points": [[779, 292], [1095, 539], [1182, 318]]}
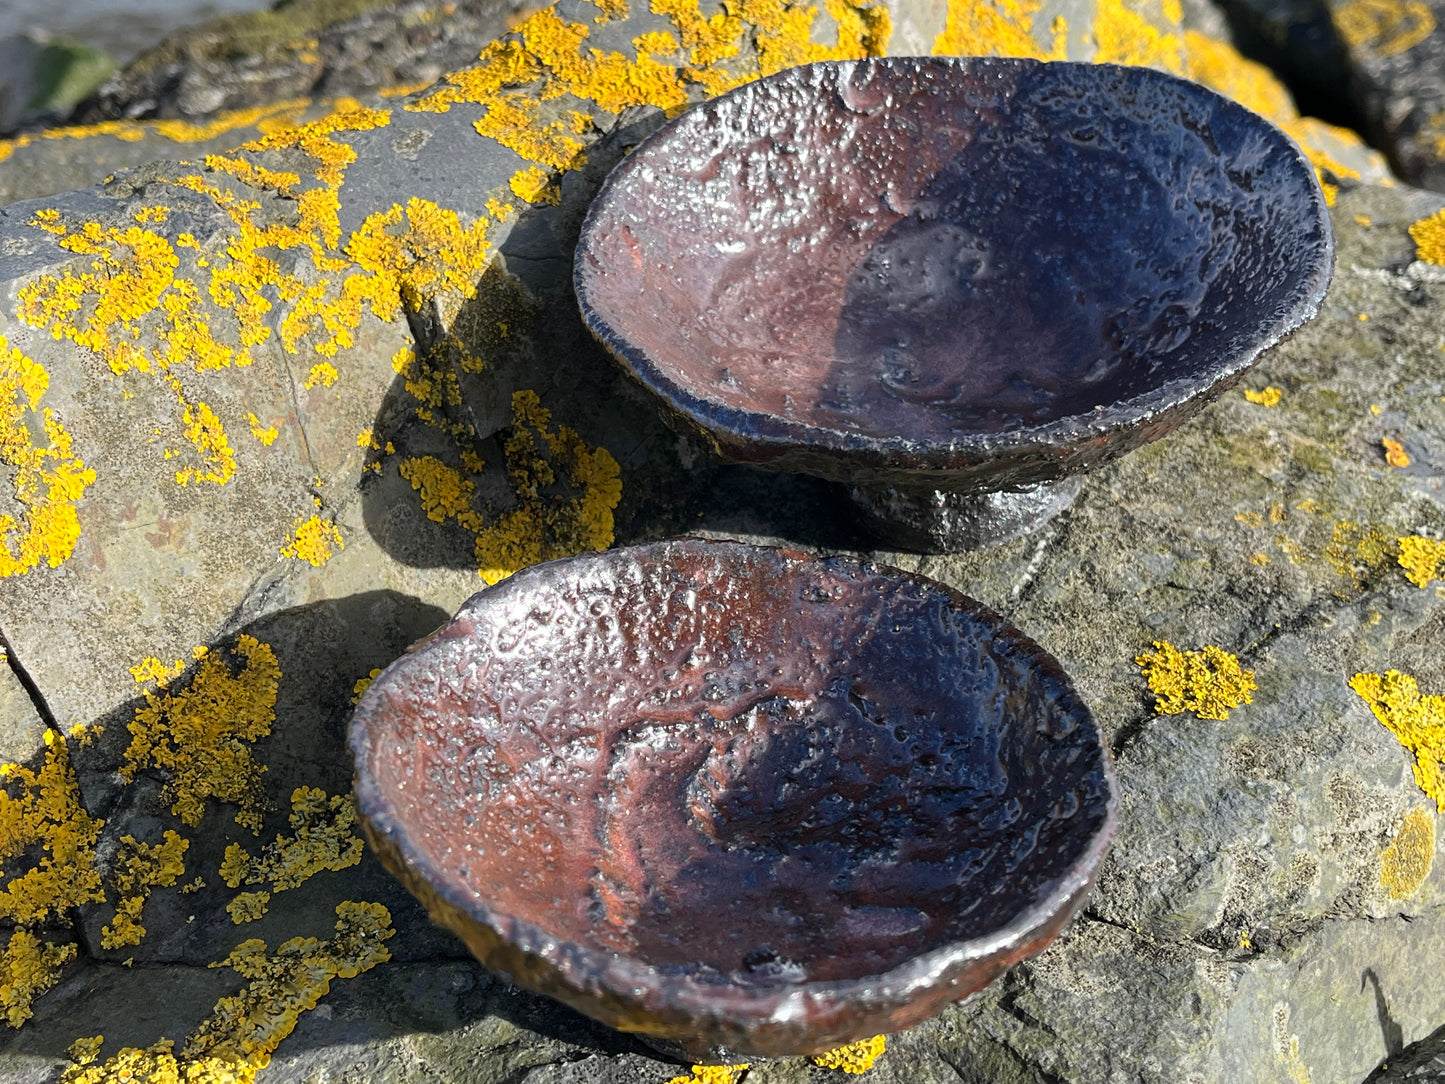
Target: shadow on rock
{"points": [[477, 439], [192, 756]]}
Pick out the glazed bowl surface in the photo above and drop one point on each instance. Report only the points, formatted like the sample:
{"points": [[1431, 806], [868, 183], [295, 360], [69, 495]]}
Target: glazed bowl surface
{"points": [[734, 797], [977, 274]]}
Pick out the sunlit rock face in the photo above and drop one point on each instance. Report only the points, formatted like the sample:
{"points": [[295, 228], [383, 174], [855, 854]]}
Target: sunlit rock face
{"points": [[313, 394]]}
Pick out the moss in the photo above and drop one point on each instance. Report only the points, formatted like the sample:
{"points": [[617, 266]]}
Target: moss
{"points": [[201, 736], [140, 867], [1416, 720], [855, 1057], [1312, 457], [1406, 862], [1209, 682], [323, 838], [48, 478]]}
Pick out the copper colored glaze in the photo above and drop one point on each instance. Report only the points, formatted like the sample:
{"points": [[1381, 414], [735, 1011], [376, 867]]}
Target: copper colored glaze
{"points": [[735, 796], [975, 273]]}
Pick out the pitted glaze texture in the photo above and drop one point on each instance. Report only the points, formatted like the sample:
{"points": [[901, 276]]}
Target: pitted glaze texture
{"points": [[971, 274], [736, 797]]}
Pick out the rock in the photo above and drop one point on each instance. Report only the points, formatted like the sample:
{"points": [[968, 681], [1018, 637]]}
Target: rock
{"points": [[1373, 64], [1419, 1063], [46, 77], [1396, 54], [272, 417], [22, 730], [302, 49]]}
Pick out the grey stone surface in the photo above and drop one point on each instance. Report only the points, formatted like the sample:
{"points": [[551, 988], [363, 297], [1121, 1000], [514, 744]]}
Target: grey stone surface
{"points": [[21, 727], [314, 49], [1397, 67], [1374, 64], [1241, 930]]}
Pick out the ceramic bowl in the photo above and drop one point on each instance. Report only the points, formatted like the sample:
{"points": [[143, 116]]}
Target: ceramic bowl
{"points": [[743, 801], [952, 284]]}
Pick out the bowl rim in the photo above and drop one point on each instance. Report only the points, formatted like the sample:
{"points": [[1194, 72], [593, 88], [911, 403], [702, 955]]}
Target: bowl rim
{"points": [[758, 436], [585, 972]]}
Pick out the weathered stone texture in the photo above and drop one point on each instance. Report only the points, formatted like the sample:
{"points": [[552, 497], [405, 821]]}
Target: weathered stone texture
{"points": [[403, 405]]}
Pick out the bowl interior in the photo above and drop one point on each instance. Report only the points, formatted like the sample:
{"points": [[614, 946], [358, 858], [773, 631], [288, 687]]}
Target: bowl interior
{"points": [[739, 764], [934, 248]]}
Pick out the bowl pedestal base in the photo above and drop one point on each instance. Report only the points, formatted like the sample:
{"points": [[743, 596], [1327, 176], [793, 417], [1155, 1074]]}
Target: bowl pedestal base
{"points": [[926, 520]]}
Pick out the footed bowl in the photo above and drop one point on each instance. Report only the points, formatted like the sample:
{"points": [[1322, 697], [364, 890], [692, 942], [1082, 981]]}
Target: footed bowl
{"points": [[952, 284]]}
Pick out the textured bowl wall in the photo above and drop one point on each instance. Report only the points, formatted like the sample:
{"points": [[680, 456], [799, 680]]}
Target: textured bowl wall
{"points": [[704, 789], [994, 269]]}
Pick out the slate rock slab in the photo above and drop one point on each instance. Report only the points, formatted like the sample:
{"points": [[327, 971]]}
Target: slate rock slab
{"points": [[318, 391]]}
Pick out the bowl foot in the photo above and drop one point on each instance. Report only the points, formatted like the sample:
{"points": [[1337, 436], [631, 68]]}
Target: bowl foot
{"points": [[926, 520], [699, 1052]]}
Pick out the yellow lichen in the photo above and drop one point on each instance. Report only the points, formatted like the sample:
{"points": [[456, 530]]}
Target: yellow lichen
{"points": [[855, 1057], [140, 867], [324, 838], [201, 736], [1124, 35], [432, 254], [85, 1050], [28, 967], [1269, 396], [519, 80], [1218, 65], [314, 541], [236, 1040], [1356, 551], [322, 374], [1420, 558], [990, 28], [1406, 862], [362, 684], [539, 528], [1209, 682], [1416, 720], [535, 185], [712, 1074], [48, 478], [1384, 27], [135, 289], [1429, 237], [267, 435], [45, 824], [47, 868], [248, 906], [445, 494], [1395, 453]]}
